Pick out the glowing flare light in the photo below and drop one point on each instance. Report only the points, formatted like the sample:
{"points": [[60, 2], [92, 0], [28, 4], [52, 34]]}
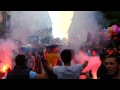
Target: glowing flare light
{"points": [[4, 69]]}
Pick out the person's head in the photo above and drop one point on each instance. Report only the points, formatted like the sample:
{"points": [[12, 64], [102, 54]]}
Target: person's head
{"points": [[20, 60], [94, 53], [112, 64], [48, 49], [54, 48], [66, 56]]}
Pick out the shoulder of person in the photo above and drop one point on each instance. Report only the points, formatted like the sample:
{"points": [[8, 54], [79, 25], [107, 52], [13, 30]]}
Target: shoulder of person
{"points": [[79, 65], [57, 67], [32, 74]]}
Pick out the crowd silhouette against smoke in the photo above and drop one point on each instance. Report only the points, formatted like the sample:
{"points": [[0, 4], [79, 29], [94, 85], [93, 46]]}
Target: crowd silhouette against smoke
{"points": [[86, 38]]}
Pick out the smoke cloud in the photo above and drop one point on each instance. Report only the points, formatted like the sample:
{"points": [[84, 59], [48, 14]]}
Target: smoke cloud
{"points": [[27, 23], [22, 25], [84, 22], [93, 63], [6, 48]]}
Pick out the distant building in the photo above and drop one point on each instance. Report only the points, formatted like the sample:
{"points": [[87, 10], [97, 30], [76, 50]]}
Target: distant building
{"points": [[82, 23], [44, 33], [3, 24], [10, 22]]}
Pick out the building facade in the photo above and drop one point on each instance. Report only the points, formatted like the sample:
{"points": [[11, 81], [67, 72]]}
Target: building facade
{"points": [[5, 15], [39, 21], [83, 23]]}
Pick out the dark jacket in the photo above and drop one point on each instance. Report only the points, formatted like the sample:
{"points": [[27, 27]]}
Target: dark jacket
{"points": [[19, 72], [101, 71]]}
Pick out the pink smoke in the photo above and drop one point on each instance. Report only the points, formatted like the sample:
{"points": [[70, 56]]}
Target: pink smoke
{"points": [[6, 48], [93, 63]]}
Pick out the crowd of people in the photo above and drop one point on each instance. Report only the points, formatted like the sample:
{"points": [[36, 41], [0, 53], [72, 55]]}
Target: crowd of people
{"points": [[53, 63], [50, 65]]}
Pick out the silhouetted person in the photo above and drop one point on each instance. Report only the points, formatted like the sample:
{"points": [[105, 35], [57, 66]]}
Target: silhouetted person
{"points": [[102, 69], [21, 71]]}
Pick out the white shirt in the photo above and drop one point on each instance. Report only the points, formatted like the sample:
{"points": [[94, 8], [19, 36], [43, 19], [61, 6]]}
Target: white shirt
{"points": [[68, 72]]}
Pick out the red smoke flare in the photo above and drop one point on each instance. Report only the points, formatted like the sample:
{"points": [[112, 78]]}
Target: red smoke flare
{"points": [[93, 63]]}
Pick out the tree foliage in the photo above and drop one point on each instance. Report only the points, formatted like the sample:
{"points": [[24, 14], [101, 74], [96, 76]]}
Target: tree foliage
{"points": [[112, 16]]}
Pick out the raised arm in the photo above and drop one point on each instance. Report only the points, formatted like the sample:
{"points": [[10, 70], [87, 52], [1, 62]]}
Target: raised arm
{"points": [[42, 75], [85, 64]]}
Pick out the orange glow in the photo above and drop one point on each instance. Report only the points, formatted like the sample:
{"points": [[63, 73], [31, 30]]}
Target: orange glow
{"points": [[5, 68], [6, 56]]}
